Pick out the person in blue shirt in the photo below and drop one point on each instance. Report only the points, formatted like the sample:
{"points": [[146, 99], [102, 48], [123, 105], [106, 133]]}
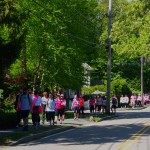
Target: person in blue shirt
{"points": [[50, 109], [25, 101]]}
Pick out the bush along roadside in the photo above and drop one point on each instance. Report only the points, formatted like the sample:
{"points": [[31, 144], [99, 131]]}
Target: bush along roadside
{"points": [[7, 119]]}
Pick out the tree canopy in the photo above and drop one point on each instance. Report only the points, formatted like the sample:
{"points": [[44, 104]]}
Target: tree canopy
{"points": [[44, 43]]}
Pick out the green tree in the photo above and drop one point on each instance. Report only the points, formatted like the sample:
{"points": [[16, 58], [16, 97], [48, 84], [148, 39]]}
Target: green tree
{"points": [[60, 36]]}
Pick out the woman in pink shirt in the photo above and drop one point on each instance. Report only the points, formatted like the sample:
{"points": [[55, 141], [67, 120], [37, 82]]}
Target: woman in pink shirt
{"points": [[58, 107], [63, 106], [132, 100], [75, 107]]}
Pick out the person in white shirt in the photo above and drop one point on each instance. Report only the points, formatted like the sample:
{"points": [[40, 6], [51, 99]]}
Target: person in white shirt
{"points": [[99, 102], [139, 100], [122, 104], [104, 104], [132, 100], [126, 101], [44, 102], [50, 109]]}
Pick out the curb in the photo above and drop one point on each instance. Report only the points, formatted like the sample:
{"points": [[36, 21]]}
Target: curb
{"points": [[36, 136], [136, 108]]}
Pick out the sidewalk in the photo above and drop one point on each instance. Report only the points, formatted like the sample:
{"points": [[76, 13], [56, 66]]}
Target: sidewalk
{"points": [[67, 122], [43, 130]]}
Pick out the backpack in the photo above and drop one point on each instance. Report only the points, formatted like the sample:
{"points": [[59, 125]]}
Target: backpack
{"points": [[28, 99]]}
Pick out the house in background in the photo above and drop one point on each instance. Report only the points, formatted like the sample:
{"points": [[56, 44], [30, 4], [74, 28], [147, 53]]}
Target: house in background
{"points": [[88, 70]]}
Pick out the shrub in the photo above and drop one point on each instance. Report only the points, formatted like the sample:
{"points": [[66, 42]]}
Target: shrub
{"points": [[7, 104], [120, 86], [7, 119]]}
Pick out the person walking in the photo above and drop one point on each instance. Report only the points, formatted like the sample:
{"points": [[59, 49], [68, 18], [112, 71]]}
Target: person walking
{"points": [[92, 104], [122, 101], [44, 102], [18, 109], [75, 107], [81, 104], [25, 101], [36, 108], [114, 104], [132, 100], [63, 106], [58, 106], [104, 104], [50, 109], [126, 100], [139, 100], [99, 102]]}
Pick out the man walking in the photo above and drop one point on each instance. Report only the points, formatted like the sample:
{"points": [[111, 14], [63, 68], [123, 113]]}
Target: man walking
{"points": [[25, 101], [114, 104]]}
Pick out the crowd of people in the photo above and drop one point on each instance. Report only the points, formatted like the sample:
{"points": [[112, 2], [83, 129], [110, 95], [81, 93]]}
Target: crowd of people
{"points": [[134, 100], [52, 107], [99, 104]]}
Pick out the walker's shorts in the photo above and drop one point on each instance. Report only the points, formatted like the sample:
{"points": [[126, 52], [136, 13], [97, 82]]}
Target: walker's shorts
{"points": [[114, 106], [59, 112], [76, 109], [50, 115], [25, 113]]}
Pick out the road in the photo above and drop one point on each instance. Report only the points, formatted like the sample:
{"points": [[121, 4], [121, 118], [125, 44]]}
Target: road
{"points": [[129, 131]]}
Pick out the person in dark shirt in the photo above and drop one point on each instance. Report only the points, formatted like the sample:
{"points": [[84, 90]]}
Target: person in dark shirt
{"points": [[18, 109], [114, 104]]}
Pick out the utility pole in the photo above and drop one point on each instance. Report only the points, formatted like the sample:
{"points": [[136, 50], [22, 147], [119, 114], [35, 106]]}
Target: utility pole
{"points": [[142, 87], [109, 55]]}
